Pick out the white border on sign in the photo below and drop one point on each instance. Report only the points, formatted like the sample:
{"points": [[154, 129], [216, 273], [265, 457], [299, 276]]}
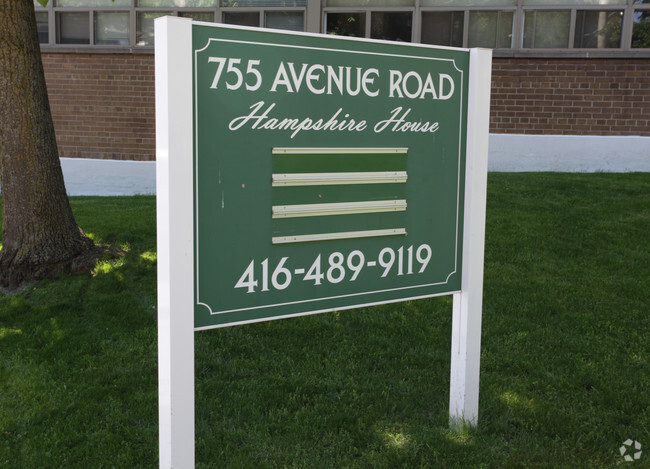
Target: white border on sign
{"points": [[314, 300]]}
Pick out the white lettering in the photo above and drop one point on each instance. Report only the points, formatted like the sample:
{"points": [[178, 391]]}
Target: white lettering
{"points": [[448, 79], [312, 77], [367, 80], [281, 78], [395, 80], [398, 123]]}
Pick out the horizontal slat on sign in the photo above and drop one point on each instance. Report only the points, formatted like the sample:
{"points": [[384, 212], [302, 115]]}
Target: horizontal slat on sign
{"points": [[341, 235], [334, 151], [344, 208], [328, 179]]}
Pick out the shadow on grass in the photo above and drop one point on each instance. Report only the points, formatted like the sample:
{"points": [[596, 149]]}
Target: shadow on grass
{"points": [[78, 355]]}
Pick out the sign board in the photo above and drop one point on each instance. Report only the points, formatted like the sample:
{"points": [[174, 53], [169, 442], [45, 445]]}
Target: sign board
{"points": [[328, 173], [300, 173]]}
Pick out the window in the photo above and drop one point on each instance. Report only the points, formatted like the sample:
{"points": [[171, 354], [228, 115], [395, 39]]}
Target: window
{"points": [[641, 29], [43, 27], [288, 20], [263, 3], [391, 25], [145, 25], [112, 28], [491, 29], [346, 24], [470, 3], [207, 17], [177, 3], [598, 29], [547, 29], [72, 28], [369, 3], [242, 18], [92, 3], [443, 28]]}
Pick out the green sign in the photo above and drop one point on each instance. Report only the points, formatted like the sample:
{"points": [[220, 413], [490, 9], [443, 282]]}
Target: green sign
{"points": [[328, 173]]}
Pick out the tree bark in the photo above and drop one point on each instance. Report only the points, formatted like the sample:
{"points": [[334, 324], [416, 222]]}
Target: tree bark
{"points": [[39, 234]]}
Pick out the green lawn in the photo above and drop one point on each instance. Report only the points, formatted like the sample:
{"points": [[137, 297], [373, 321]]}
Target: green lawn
{"points": [[565, 371]]}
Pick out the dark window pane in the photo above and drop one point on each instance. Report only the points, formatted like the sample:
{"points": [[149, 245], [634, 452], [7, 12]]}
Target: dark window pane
{"points": [[43, 27], [242, 18], [208, 17], [547, 29], [73, 28], [574, 2], [346, 24], [145, 26], [264, 3], [641, 29], [443, 28], [287, 20], [177, 3], [391, 26], [92, 3], [471, 3], [369, 3], [598, 29]]}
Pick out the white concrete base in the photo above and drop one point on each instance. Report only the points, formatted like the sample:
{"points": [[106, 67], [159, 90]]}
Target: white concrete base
{"points": [[509, 153], [108, 177], [568, 153]]}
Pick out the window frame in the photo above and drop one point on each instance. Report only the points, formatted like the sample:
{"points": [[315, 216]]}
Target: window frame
{"points": [[315, 21], [133, 10], [368, 16]]}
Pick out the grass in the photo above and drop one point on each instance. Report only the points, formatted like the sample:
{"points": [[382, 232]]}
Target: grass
{"points": [[565, 368]]}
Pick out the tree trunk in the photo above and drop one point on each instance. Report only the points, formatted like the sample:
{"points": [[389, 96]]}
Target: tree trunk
{"points": [[39, 234]]}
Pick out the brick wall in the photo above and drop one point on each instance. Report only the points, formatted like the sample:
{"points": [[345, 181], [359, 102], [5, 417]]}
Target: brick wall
{"points": [[571, 96], [103, 104]]}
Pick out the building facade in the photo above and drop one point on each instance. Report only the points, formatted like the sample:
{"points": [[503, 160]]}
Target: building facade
{"points": [[560, 68]]}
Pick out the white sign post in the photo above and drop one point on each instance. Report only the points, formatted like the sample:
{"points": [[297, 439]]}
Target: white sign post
{"points": [[175, 242], [175, 128], [468, 304]]}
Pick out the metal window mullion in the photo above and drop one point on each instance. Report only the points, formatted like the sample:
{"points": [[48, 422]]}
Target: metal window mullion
{"points": [[518, 27], [626, 29], [466, 28], [132, 24], [91, 27], [368, 21], [498, 29], [51, 24], [416, 22], [313, 13], [572, 29]]}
